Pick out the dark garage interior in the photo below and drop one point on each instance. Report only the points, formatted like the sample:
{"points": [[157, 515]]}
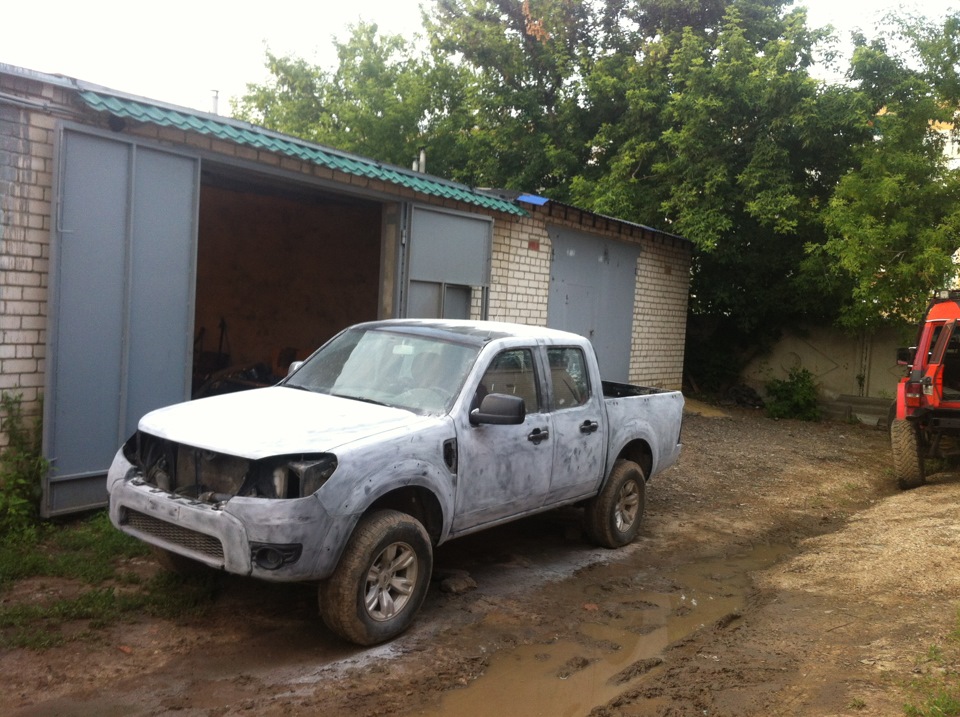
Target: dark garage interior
{"points": [[280, 269]]}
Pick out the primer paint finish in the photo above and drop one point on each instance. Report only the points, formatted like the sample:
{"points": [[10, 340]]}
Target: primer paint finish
{"points": [[501, 472]]}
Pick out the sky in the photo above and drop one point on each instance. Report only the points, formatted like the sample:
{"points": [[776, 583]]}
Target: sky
{"points": [[181, 51]]}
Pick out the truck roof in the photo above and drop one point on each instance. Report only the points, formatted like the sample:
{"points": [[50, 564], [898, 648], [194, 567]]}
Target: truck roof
{"points": [[479, 332]]}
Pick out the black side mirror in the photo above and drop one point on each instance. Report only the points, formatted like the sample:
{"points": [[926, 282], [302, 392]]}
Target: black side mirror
{"points": [[906, 357], [499, 409]]}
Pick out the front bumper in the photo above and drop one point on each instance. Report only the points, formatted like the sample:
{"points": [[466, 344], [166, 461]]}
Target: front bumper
{"points": [[230, 535]]}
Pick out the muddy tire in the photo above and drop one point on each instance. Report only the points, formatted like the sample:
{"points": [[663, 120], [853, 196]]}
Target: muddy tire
{"points": [[907, 458], [176, 563], [613, 518], [381, 580]]}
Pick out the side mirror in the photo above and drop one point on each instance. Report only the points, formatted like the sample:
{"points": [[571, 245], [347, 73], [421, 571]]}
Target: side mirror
{"points": [[906, 357], [294, 365], [499, 409]]}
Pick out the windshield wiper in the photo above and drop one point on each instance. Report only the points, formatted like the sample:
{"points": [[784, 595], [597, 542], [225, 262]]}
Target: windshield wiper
{"points": [[361, 398]]}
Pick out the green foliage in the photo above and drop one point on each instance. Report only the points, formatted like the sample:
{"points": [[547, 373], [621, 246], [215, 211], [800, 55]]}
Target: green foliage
{"points": [[894, 218], [376, 103], [793, 397], [22, 469]]}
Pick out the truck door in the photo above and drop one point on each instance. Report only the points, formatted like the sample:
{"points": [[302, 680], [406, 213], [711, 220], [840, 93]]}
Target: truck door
{"points": [[505, 470], [578, 446], [944, 353]]}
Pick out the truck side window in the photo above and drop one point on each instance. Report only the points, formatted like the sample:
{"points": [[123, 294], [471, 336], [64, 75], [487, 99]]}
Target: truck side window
{"points": [[512, 372], [568, 374]]}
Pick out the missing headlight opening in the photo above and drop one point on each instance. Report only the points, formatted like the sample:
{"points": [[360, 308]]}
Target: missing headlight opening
{"points": [[214, 477]]}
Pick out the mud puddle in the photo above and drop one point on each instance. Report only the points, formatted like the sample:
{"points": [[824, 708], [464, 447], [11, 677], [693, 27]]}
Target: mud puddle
{"points": [[624, 628]]}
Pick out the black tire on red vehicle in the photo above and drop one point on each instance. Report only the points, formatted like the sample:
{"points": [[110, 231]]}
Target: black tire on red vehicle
{"points": [[907, 455], [381, 580]]}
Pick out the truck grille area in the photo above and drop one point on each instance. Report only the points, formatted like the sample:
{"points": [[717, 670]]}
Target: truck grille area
{"points": [[175, 534]]}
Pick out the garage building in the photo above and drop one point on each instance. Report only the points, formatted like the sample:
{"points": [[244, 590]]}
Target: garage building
{"points": [[147, 250]]}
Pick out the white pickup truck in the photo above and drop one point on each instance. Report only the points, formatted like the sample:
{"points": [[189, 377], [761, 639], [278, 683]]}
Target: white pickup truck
{"points": [[393, 437]]}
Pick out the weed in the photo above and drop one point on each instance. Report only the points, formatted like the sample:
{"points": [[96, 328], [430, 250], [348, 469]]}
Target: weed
{"points": [[22, 470], [857, 704], [935, 654], [940, 701], [938, 694], [793, 397]]}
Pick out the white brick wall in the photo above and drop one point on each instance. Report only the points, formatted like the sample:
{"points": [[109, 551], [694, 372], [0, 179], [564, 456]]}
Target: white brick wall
{"points": [[26, 209]]}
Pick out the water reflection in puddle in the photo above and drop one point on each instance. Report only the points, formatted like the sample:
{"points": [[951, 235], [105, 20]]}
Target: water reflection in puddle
{"points": [[630, 628]]}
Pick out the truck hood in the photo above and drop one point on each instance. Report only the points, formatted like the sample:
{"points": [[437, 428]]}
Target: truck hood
{"points": [[274, 421]]}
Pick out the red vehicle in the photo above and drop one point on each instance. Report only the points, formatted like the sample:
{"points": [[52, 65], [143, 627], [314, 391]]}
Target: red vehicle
{"points": [[927, 420]]}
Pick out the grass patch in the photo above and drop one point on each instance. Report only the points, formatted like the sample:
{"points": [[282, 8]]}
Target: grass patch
{"points": [[92, 553], [87, 550], [937, 693]]}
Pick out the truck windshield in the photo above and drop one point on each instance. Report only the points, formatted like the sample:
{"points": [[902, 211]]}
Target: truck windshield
{"points": [[419, 373]]}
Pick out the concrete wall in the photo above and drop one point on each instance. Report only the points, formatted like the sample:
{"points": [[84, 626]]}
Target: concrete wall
{"points": [[843, 364]]}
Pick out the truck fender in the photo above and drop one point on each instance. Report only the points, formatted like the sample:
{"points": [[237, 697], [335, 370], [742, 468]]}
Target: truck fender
{"points": [[380, 482], [637, 429]]}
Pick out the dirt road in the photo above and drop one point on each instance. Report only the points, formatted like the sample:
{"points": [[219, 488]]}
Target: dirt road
{"points": [[779, 572]]}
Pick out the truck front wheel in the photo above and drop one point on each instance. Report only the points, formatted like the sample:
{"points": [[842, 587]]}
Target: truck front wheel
{"points": [[907, 458], [612, 519], [381, 581]]}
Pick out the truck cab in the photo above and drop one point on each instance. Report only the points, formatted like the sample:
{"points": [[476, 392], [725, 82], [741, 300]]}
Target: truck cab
{"points": [[926, 422]]}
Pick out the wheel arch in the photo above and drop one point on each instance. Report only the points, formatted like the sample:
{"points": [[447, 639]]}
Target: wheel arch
{"points": [[640, 452], [416, 501]]}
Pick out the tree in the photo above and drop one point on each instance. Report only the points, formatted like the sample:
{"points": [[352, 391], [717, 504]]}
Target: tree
{"points": [[894, 219], [523, 122], [729, 142], [377, 103]]}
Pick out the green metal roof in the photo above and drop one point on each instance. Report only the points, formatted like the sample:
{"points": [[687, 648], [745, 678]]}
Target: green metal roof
{"points": [[252, 136]]}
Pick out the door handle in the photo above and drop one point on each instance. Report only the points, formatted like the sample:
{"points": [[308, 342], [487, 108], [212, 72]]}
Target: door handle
{"points": [[589, 426], [538, 434]]}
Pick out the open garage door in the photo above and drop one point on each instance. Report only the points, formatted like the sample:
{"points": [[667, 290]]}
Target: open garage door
{"points": [[121, 305]]}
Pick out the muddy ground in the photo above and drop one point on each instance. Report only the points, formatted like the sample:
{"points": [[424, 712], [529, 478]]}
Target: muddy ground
{"points": [[779, 572]]}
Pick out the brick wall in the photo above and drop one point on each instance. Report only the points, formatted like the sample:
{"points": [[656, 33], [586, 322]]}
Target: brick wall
{"points": [[26, 210], [660, 314], [520, 271]]}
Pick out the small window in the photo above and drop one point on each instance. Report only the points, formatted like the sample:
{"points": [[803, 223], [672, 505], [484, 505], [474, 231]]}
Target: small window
{"points": [[568, 374], [512, 372]]}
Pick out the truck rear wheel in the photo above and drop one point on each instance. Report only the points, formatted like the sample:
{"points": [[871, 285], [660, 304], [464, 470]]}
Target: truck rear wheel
{"points": [[907, 458], [612, 519], [381, 581]]}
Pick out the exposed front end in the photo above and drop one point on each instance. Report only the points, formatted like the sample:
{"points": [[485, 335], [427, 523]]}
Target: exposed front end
{"points": [[248, 517]]}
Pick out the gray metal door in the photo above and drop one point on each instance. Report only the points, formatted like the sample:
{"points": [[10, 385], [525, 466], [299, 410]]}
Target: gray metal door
{"points": [[592, 288], [449, 264], [121, 305]]}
